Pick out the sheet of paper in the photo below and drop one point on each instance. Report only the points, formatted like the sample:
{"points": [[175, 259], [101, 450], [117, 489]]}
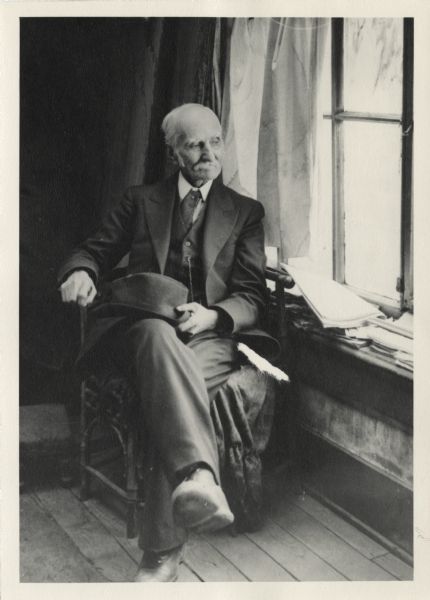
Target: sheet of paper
{"points": [[334, 304]]}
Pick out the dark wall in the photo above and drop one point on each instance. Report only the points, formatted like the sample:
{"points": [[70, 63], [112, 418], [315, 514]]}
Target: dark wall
{"points": [[93, 93], [76, 83]]}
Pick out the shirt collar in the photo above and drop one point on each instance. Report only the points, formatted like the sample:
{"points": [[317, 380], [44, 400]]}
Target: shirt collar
{"points": [[184, 187]]}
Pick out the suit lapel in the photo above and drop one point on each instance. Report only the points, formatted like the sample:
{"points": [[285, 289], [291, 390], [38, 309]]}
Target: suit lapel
{"points": [[221, 216], [220, 219], [159, 211]]}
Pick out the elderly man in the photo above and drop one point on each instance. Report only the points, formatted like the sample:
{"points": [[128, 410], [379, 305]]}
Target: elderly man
{"points": [[194, 229]]}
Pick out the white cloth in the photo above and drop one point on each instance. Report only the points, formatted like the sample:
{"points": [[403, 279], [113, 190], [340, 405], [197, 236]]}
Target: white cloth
{"points": [[287, 163], [242, 103], [269, 116]]}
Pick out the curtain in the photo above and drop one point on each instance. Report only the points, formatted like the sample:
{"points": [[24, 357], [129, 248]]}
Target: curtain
{"points": [[189, 68], [242, 103], [270, 122]]}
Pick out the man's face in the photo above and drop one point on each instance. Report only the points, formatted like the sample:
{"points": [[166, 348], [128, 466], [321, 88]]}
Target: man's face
{"points": [[199, 147]]}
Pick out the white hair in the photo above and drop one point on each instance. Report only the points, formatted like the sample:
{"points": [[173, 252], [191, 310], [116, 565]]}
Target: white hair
{"points": [[171, 121]]}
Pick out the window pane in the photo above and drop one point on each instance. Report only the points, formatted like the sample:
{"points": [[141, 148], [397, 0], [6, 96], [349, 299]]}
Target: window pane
{"points": [[372, 206], [373, 65], [325, 79], [322, 208]]}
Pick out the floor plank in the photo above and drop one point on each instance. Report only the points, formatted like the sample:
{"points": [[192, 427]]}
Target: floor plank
{"points": [[47, 552], [116, 527], [209, 563], [301, 540], [326, 544], [294, 556], [89, 535], [285, 481], [186, 575], [350, 534], [396, 567], [202, 561], [246, 556]]}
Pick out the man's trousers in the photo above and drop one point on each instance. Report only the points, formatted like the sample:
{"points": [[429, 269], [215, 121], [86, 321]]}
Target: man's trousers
{"points": [[175, 381]]}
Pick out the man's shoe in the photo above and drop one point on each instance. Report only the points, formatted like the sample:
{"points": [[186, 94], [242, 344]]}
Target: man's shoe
{"points": [[159, 566], [200, 504]]}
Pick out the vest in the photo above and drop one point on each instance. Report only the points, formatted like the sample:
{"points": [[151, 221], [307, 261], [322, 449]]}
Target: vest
{"points": [[184, 259]]}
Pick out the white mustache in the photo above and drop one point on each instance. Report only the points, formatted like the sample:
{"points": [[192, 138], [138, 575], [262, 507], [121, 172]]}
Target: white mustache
{"points": [[205, 162]]}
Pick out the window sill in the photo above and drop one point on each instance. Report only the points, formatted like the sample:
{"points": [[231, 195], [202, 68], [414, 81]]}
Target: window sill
{"points": [[371, 384], [363, 354]]}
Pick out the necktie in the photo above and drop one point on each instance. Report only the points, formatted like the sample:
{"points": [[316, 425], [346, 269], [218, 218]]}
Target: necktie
{"points": [[188, 206]]}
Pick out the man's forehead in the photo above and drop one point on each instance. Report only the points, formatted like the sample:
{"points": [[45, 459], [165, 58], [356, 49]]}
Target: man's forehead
{"points": [[198, 123]]}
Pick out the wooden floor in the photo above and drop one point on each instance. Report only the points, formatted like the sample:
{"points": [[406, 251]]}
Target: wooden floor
{"points": [[66, 540]]}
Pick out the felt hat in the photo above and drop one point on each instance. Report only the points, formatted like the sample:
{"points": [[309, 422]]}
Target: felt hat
{"points": [[144, 294]]}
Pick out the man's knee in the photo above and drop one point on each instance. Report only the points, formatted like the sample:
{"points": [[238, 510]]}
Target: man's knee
{"points": [[148, 331], [216, 357]]}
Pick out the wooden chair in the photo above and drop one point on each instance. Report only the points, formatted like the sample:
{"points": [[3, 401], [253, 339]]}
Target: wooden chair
{"points": [[108, 401]]}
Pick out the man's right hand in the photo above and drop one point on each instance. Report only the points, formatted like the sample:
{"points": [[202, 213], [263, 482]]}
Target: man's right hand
{"points": [[79, 288]]}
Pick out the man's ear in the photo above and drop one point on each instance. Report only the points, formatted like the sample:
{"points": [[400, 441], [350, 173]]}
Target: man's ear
{"points": [[171, 156]]}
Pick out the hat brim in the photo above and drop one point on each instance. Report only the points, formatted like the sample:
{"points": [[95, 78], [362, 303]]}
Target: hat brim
{"points": [[118, 309]]}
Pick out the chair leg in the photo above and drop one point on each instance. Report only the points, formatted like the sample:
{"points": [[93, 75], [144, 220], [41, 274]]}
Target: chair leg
{"points": [[131, 519], [85, 491], [85, 476], [85, 442], [297, 448], [85, 486], [66, 477], [131, 484]]}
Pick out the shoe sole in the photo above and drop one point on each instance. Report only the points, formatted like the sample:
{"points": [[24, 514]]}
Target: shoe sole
{"points": [[152, 580], [192, 511]]}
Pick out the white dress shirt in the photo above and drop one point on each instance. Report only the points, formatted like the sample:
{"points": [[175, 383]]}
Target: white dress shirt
{"points": [[184, 187]]}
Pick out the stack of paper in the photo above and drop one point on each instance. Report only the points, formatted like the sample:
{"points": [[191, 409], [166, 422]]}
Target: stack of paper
{"points": [[332, 303], [404, 325], [387, 343]]}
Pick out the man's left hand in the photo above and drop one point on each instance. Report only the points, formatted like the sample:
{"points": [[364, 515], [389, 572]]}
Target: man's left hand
{"points": [[201, 319]]}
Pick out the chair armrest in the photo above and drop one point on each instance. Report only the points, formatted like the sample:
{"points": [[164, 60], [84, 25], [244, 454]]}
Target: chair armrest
{"points": [[279, 277], [282, 281], [83, 313], [83, 323]]}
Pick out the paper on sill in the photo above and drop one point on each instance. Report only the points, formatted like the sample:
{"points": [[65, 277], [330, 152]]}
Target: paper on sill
{"points": [[406, 322], [333, 304], [382, 337]]}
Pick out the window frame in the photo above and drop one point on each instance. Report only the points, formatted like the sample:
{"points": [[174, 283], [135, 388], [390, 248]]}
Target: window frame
{"points": [[338, 116]]}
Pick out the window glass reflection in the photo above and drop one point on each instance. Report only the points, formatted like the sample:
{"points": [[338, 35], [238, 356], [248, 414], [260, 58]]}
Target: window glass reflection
{"points": [[373, 65]]}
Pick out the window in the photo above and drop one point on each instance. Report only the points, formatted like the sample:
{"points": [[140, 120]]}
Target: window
{"points": [[364, 214]]}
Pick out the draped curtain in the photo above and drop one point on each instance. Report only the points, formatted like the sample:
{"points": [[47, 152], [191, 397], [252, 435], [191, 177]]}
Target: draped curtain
{"points": [[269, 115], [189, 67]]}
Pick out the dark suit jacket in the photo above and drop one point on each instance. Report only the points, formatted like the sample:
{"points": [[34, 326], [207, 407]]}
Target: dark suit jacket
{"points": [[233, 252]]}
